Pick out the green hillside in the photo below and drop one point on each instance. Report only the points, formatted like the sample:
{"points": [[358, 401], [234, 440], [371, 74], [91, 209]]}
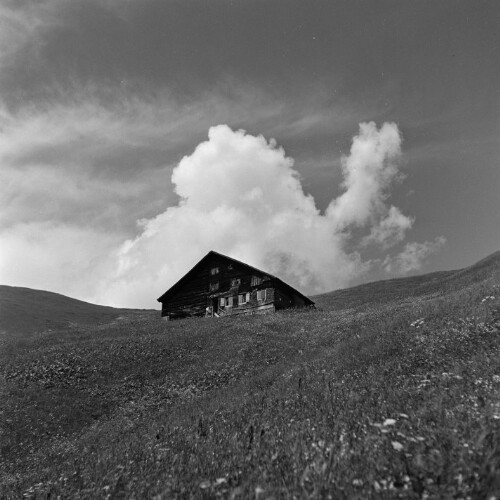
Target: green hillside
{"points": [[367, 398], [24, 311]]}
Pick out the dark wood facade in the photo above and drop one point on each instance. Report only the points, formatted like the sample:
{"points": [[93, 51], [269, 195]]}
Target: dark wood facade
{"points": [[221, 286]]}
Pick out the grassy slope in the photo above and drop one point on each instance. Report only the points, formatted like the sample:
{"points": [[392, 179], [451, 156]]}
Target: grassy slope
{"points": [[290, 404], [25, 311], [404, 289]]}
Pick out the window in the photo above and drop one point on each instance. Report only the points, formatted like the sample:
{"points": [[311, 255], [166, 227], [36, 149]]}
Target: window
{"points": [[226, 302], [214, 271], [214, 286], [235, 282], [256, 280], [261, 295], [243, 298]]}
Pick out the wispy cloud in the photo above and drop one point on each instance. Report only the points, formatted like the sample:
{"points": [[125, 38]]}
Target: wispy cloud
{"points": [[412, 256], [105, 155], [22, 24], [58, 257]]}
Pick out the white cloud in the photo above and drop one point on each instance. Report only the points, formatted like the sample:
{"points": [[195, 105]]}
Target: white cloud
{"points": [[241, 196], [412, 256], [22, 24], [98, 156], [76, 162], [57, 257], [368, 172], [103, 155], [390, 230]]}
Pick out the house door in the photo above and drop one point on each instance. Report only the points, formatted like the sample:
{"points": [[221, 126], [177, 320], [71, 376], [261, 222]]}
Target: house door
{"points": [[215, 306]]}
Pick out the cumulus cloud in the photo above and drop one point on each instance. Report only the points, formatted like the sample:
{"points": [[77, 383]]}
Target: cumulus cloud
{"points": [[412, 256], [93, 160], [368, 172], [240, 195], [101, 156], [66, 230]]}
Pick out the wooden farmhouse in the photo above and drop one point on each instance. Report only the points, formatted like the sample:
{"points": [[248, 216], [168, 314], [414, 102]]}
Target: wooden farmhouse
{"points": [[221, 286]]}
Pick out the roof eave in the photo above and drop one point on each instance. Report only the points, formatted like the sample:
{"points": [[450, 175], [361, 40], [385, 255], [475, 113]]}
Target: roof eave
{"points": [[159, 299]]}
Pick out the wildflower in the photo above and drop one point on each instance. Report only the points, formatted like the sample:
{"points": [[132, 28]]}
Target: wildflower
{"points": [[204, 485], [417, 323], [389, 421], [357, 482], [488, 297], [397, 445]]}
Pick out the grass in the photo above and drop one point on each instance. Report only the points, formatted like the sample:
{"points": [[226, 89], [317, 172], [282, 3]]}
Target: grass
{"points": [[398, 398], [25, 311]]}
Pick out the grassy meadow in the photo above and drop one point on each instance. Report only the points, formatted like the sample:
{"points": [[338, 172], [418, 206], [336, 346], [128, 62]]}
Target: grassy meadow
{"points": [[388, 390], [24, 312]]}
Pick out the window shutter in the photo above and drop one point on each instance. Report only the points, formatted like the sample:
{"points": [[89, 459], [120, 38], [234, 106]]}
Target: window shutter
{"points": [[244, 298]]}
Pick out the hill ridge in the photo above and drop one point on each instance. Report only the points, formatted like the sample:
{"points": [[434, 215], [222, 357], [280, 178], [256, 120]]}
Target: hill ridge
{"points": [[24, 311], [406, 287]]}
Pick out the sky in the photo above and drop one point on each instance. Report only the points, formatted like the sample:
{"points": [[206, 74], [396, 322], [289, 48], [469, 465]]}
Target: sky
{"points": [[330, 143]]}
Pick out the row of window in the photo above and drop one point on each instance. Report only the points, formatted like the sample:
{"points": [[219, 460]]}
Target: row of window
{"points": [[256, 280], [216, 270], [243, 298]]}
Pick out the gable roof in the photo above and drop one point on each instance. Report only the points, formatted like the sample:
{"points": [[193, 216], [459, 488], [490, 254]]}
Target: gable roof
{"points": [[238, 262]]}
